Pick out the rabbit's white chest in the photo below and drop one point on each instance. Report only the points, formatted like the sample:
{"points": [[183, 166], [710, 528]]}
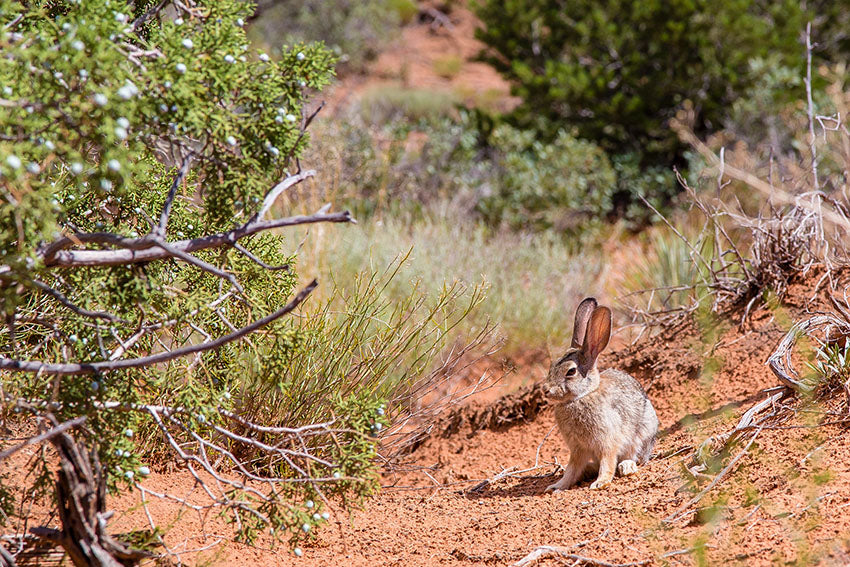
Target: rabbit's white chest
{"points": [[587, 425]]}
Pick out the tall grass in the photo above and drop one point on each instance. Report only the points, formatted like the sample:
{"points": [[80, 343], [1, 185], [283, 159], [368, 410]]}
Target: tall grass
{"points": [[359, 341], [532, 281], [388, 103], [663, 274]]}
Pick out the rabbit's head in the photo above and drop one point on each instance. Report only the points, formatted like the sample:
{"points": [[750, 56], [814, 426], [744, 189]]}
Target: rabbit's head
{"points": [[575, 375]]}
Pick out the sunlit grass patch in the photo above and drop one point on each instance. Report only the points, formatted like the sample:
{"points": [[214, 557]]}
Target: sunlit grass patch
{"points": [[532, 281]]}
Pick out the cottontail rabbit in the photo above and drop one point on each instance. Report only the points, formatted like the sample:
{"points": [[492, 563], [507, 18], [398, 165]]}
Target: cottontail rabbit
{"points": [[605, 418]]}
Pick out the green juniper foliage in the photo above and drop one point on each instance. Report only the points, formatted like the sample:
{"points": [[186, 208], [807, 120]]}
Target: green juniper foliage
{"points": [[618, 70], [107, 108]]}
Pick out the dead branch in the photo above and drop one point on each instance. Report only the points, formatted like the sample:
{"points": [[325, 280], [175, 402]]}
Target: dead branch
{"points": [[81, 494], [76, 422], [557, 551], [136, 250], [772, 192], [106, 365], [6, 558], [780, 360], [278, 190], [198, 263]]}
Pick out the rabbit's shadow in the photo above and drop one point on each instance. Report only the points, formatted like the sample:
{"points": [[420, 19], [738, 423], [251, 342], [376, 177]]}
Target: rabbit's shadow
{"points": [[531, 485]]}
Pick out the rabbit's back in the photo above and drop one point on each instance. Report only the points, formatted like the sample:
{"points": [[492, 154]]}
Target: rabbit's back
{"points": [[617, 414]]}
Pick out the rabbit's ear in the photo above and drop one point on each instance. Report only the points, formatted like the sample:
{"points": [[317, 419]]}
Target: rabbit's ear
{"points": [[598, 334], [583, 313]]}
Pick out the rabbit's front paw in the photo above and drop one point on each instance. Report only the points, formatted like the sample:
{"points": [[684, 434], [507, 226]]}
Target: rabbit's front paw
{"points": [[627, 467], [562, 484], [600, 483]]}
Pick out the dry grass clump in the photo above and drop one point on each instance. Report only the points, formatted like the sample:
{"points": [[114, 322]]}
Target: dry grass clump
{"points": [[755, 221], [531, 280]]}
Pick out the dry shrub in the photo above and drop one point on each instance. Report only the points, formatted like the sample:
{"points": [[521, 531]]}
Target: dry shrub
{"points": [[755, 220]]}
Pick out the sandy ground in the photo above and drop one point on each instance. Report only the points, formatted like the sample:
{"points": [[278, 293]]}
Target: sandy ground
{"points": [[786, 500]]}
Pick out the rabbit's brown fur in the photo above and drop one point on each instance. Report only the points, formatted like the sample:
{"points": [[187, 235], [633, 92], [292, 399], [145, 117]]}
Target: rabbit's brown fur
{"points": [[606, 419]]}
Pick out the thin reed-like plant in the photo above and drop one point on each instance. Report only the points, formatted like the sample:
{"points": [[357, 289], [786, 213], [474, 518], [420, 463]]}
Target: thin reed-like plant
{"points": [[359, 341]]}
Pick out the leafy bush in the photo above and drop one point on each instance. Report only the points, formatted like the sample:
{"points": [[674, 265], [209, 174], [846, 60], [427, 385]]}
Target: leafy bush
{"points": [[503, 175], [757, 116], [567, 185], [398, 163], [618, 70], [356, 30]]}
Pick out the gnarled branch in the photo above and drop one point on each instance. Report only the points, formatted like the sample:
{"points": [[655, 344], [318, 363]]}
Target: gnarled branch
{"points": [[102, 366], [142, 250]]}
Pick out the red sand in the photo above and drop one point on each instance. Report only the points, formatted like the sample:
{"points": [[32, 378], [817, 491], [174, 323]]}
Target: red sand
{"points": [[774, 510]]}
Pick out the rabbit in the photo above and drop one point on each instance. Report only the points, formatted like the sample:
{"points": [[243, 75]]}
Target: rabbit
{"points": [[606, 418]]}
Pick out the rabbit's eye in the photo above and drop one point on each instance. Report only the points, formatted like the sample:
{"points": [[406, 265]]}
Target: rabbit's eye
{"points": [[571, 371]]}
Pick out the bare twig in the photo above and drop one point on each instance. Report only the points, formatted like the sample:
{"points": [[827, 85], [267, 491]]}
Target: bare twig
{"points": [[95, 367], [278, 189], [257, 260], [76, 422], [60, 297], [811, 107], [197, 262], [772, 192], [557, 551], [684, 509], [169, 200], [151, 12]]}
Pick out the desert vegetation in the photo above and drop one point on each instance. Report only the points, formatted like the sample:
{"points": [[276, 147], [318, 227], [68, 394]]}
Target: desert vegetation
{"points": [[278, 275]]}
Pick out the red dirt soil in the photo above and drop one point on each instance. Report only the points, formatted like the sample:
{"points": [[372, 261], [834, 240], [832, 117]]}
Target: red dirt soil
{"points": [[787, 499]]}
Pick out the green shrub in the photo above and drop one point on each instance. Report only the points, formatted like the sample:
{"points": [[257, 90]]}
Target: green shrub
{"points": [[757, 117], [140, 277], [356, 30], [448, 66], [618, 70], [566, 185], [398, 164], [503, 175]]}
